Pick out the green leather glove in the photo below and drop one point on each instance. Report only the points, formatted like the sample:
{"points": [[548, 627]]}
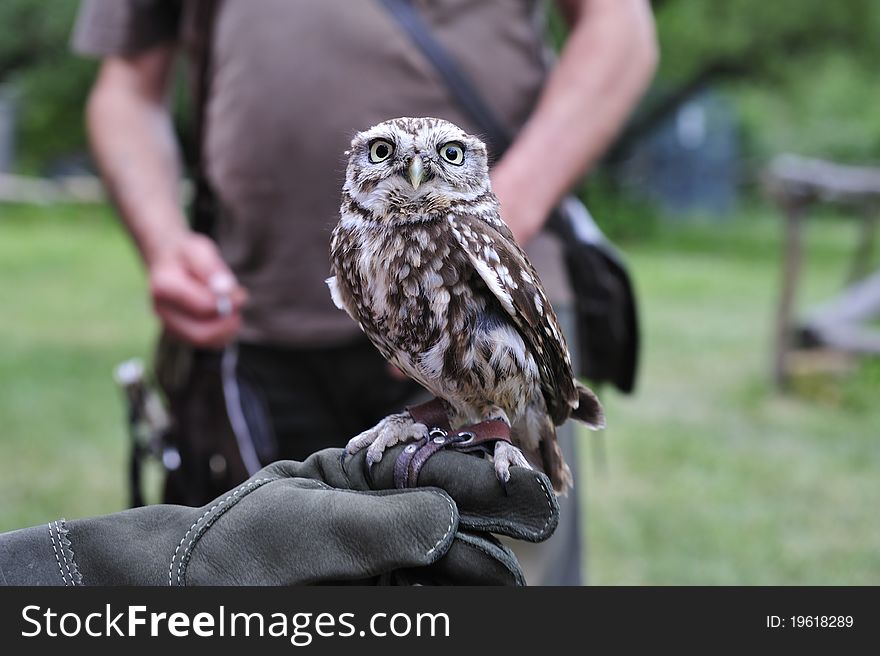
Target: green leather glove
{"points": [[293, 523]]}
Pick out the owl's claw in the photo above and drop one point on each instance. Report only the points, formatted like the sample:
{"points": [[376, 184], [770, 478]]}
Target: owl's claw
{"points": [[394, 429], [506, 456]]}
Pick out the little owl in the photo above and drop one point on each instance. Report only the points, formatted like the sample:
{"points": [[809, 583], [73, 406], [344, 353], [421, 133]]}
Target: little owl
{"points": [[424, 264]]}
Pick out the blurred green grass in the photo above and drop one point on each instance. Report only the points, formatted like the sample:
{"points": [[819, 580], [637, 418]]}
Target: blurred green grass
{"points": [[72, 305], [711, 478]]}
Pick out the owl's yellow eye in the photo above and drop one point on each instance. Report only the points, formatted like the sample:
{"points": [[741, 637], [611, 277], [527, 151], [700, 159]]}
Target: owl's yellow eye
{"points": [[380, 150], [452, 152]]}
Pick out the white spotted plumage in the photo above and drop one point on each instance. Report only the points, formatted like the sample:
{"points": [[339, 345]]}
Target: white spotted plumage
{"points": [[423, 262]]}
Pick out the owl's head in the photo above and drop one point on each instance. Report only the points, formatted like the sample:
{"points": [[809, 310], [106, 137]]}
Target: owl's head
{"points": [[415, 167]]}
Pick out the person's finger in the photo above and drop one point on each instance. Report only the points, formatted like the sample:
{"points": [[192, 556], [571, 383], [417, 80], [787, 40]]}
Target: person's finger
{"points": [[202, 259], [301, 530], [208, 333], [174, 287], [173, 284], [473, 559], [229, 296]]}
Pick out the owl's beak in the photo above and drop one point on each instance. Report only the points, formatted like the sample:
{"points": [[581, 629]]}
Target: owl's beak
{"points": [[416, 171]]}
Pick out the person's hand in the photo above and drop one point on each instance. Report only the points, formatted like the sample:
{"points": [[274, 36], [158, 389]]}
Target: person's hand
{"points": [[195, 294], [319, 521]]}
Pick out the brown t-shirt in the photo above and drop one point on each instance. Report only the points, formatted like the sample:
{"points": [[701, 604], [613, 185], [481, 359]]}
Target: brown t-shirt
{"points": [[291, 82]]}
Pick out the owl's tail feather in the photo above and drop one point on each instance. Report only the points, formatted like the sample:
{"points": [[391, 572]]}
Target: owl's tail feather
{"points": [[552, 461], [589, 410], [543, 453]]}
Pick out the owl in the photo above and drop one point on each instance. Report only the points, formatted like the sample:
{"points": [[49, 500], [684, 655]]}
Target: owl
{"points": [[423, 262]]}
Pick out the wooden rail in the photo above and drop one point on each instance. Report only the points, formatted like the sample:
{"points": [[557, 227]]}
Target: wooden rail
{"points": [[796, 184]]}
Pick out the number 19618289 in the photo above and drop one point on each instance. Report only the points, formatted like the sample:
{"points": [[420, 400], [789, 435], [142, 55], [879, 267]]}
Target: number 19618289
{"points": [[810, 622]]}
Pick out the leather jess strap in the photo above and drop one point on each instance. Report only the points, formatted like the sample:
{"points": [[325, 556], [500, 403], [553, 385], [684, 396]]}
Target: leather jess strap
{"points": [[461, 87], [431, 413], [477, 438]]}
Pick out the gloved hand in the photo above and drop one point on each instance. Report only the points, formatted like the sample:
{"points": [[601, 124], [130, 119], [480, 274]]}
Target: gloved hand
{"points": [[292, 523]]}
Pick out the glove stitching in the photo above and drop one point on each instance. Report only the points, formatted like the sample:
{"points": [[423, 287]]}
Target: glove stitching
{"points": [[63, 546], [448, 528], [445, 497], [185, 555], [186, 551], [549, 503], [57, 559], [512, 528]]}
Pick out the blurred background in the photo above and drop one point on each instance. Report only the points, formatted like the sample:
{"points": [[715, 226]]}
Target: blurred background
{"points": [[734, 462]]}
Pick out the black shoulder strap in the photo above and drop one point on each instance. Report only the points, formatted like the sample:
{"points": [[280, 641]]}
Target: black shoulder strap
{"points": [[459, 85], [462, 89], [204, 207]]}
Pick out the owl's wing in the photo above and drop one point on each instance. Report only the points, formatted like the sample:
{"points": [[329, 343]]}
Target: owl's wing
{"points": [[345, 285], [512, 279]]}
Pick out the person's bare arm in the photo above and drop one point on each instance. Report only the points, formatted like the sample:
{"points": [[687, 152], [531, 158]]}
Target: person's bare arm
{"points": [[603, 69], [133, 141]]}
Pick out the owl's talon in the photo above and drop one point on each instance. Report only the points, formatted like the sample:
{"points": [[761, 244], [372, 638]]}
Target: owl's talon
{"points": [[373, 458], [392, 430], [504, 484], [506, 456]]}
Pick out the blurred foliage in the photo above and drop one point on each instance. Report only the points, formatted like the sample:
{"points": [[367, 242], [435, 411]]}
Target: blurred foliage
{"points": [[826, 108], [763, 39], [802, 73], [48, 82], [622, 217], [33, 31]]}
